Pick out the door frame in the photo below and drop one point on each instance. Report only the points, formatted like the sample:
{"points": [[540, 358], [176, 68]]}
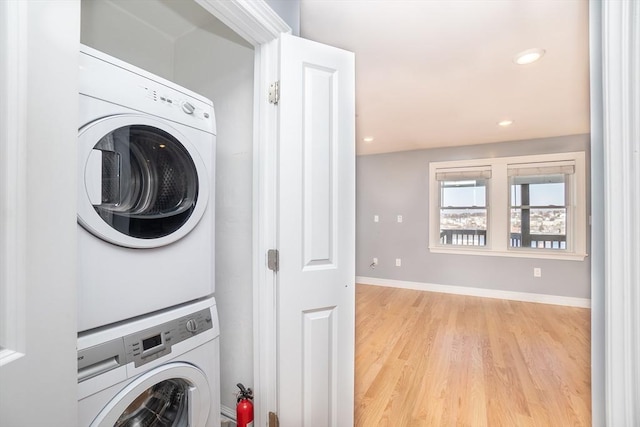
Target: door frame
{"points": [[259, 25], [618, 104]]}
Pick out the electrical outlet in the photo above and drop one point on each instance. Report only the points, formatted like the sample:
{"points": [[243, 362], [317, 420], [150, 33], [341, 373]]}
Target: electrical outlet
{"points": [[537, 272], [398, 262], [375, 261], [399, 218], [376, 218]]}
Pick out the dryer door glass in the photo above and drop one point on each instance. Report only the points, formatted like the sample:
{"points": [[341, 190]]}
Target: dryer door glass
{"points": [[163, 405], [149, 181]]}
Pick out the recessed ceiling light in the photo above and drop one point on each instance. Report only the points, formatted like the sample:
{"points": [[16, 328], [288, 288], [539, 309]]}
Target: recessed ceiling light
{"points": [[368, 139], [505, 123], [528, 56]]}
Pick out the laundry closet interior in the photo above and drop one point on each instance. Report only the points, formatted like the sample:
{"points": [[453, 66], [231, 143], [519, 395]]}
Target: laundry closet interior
{"points": [[187, 45]]}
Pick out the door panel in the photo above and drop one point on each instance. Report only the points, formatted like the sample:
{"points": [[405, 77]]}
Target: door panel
{"points": [[316, 234], [319, 373], [319, 145]]}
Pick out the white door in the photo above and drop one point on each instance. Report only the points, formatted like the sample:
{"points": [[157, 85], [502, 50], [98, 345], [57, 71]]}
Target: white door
{"points": [[38, 83], [316, 235]]}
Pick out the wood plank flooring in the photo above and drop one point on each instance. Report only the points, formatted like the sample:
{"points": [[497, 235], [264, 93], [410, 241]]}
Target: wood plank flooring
{"points": [[431, 359]]}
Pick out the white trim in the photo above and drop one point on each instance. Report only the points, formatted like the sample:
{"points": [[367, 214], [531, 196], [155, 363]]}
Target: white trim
{"points": [[514, 253], [253, 20], [228, 412], [264, 234], [478, 292], [13, 205], [259, 25], [497, 235], [621, 132]]}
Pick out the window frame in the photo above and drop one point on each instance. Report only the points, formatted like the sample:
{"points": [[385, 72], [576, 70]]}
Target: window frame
{"points": [[499, 204], [462, 174]]}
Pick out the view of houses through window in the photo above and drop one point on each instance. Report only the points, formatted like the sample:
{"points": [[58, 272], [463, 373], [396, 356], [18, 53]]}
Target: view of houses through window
{"points": [[509, 204], [538, 212], [463, 212]]}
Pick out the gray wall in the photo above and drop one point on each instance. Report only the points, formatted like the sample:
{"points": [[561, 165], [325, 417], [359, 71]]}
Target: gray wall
{"points": [[398, 184], [289, 11]]}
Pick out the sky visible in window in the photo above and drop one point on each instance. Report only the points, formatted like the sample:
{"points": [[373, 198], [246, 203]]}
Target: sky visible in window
{"points": [[470, 193]]}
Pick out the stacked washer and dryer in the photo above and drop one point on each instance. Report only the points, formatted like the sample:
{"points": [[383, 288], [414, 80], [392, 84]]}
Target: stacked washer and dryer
{"points": [[148, 338]]}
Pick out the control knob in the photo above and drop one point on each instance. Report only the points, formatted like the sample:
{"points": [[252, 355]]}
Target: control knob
{"points": [[192, 325], [188, 107]]}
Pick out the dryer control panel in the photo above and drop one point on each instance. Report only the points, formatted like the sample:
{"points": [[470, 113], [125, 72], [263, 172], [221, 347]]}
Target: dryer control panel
{"points": [[143, 346]]}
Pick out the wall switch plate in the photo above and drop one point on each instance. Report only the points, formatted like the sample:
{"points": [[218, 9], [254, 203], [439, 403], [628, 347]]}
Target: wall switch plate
{"points": [[375, 261], [537, 272], [398, 262], [399, 218], [376, 218]]}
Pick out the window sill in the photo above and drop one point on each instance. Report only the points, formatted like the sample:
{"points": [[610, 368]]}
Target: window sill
{"points": [[520, 253]]}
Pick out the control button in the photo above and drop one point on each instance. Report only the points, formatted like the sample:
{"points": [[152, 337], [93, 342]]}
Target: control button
{"points": [[188, 108], [206, 115], [192, 325]]}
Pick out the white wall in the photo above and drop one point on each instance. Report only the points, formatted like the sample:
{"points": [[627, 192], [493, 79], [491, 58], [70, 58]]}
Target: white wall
{"points": [[597, 219], [217, 63], [112, 30], [39, 389]]}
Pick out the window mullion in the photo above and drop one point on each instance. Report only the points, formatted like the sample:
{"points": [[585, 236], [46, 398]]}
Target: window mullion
{"points": [[498, 232]]}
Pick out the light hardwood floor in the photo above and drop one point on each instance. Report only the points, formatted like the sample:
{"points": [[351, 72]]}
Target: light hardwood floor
{"points": [[432, 359]]}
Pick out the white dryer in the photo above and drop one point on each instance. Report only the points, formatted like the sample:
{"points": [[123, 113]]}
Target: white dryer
{"points": [[146, 160], [159, 370]]}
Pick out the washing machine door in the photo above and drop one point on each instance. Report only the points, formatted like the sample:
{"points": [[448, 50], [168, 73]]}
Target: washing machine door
{"points": [[141, 183], [172, 395]]}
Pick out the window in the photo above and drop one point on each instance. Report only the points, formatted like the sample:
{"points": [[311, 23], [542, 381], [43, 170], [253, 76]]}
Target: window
{"points": [[529, 206], [463, 206], [539, 205]]}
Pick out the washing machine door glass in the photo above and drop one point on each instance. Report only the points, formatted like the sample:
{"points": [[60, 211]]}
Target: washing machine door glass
{"points": [[162, 405], [173, 395], [143, 181]]}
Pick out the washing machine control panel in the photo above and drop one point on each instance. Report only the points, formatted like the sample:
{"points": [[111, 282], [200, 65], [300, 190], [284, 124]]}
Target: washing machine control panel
{"points": [[153, 343], [143, 346]]}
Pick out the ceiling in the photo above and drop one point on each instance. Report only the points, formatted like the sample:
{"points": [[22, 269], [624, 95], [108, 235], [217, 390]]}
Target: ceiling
{"points": [[438, 73]]}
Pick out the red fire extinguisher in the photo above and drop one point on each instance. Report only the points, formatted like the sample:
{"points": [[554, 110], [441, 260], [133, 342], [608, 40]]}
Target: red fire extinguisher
{"points": [[244, 409]]}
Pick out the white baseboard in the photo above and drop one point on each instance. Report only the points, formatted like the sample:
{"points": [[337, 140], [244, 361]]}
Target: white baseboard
{"points": [[228, 412], [478, 292]]}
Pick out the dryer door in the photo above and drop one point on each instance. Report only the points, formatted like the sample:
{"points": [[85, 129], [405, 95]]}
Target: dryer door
{"points": [[172, 395], [141, 183]]}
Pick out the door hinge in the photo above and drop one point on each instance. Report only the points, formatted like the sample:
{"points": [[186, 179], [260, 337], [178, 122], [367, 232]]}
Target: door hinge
{"points": [[273, 420], [274, 93], [273, 260]]}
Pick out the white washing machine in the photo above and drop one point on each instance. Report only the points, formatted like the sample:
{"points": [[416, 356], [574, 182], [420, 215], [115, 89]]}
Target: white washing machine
{"points": [[146, 160], [159, 370]]}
